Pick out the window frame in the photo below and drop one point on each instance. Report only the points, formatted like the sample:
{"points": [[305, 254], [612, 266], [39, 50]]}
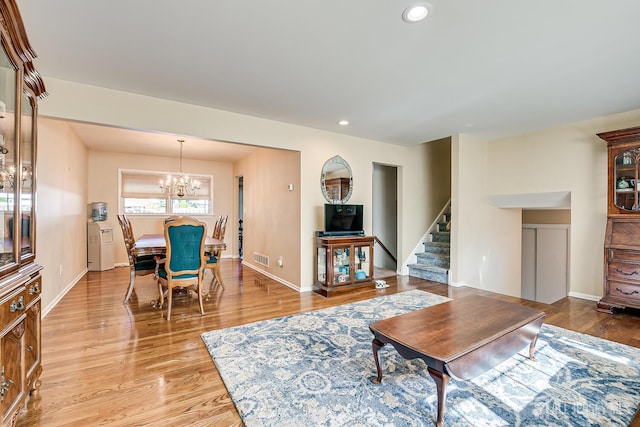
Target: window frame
{"points": [[206, 183]]}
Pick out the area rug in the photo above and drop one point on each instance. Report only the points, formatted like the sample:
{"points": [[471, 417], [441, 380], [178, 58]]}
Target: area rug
{"points": [[315, 369]]}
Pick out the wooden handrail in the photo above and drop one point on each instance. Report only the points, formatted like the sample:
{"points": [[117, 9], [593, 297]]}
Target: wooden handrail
{"points": [[376, 240]]}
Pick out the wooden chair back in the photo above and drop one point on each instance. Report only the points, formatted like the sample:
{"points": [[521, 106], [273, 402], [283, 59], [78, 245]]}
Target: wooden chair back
{"points": [[138, 266], [184, 264]]}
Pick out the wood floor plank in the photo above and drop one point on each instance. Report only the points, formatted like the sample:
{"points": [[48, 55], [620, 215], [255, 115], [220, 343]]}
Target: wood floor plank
{"points": [[107, 363]]}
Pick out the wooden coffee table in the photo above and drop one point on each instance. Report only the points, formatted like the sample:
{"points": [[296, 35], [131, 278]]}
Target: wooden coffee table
{"points": [[462, 338]]}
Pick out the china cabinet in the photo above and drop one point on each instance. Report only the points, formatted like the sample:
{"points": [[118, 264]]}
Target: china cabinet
{"points": [[622, 235], [20, 281], [343, 263]]}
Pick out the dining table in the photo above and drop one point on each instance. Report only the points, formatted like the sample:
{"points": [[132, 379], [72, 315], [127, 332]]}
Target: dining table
{"points": [[155, 244]]}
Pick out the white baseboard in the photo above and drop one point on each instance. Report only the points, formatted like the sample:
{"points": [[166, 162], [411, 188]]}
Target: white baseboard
{"points": [[277, 279], [585, 296], [70, 286]]}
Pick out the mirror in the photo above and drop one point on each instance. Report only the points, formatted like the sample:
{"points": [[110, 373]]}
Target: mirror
{"points": [[336, 180]]}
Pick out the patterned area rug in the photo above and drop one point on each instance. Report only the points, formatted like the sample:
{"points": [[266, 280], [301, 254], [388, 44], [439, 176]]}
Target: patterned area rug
{"points": [[315, 369]]}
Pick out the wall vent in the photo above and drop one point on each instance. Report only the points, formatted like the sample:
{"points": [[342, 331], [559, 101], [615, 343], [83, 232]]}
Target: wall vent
{"points": [[261, 259]]}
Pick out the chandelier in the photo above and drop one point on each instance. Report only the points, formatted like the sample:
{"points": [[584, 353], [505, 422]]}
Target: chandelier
{"points": [[181, 185], [8, 174], [8, 177]]}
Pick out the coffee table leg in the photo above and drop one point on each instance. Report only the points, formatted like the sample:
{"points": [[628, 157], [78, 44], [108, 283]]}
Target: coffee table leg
{"points": [[441, 380], [377, 345], [532, 347]]}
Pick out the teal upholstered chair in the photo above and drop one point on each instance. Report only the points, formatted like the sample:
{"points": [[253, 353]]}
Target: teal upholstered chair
{"points": [[183, 266], [138, 265]]}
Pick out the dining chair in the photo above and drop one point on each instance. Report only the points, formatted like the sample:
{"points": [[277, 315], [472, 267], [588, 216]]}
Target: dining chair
{"points": [[184, 264], [170, 218], [213, 258], [216, 227], [138, 265]]}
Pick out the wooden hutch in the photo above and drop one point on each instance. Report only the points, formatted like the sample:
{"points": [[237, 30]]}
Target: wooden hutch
{"points": [[20, 281], [622, 237]]}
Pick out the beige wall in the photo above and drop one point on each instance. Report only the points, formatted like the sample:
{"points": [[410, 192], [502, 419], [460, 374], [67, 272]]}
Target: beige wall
{"points": [[272, 212], [103, 187], [98, 105], [567, 158], [61, 222], [483, 237]]}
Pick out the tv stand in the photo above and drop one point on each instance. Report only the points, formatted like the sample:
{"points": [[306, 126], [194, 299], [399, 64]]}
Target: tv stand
{"points": [[343, 263]]}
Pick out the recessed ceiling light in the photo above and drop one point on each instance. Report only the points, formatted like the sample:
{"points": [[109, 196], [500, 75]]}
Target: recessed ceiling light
{"points": [[416, 12], [343, 122]]}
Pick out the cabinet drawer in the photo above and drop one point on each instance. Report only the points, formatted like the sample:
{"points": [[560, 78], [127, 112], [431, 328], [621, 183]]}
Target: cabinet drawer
{"points": [[12, 306], [624, 272], [33, 290], [624, 256], [624, 290]]}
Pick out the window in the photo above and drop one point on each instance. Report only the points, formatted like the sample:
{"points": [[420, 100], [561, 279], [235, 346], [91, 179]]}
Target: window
{"points": [[140, 193]]}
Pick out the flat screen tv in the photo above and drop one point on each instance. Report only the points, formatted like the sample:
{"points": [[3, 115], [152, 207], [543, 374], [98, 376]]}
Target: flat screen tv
{"points": [[343, 219]]}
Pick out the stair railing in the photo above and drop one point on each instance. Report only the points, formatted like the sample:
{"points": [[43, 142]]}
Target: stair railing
{"points": [[384, 248]]}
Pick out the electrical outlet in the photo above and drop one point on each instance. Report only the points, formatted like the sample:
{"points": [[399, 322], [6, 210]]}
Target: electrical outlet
{"points": [[280, 262]]}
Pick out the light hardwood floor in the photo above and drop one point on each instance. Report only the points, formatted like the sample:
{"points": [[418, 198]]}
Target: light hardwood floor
{"points": [[106, 363]]}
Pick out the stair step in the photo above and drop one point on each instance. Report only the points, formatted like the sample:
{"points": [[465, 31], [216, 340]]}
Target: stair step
{"points": [[434, 259], [442, 226], [441, 236], [435, 274], [437, 247]]}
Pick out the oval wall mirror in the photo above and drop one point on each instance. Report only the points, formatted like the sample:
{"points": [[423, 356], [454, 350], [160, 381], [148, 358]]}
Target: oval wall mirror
{"points": [[336, 180]]}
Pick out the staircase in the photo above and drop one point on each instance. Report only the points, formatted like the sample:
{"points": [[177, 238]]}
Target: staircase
{"points": [[433, 263]]}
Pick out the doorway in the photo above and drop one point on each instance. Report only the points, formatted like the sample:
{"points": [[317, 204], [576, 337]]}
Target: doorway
{"points": [[545, 255], [384, 214], [240, 214]]}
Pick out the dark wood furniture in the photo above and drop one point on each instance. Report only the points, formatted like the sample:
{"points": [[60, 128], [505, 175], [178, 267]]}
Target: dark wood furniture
{"points": [[343, 263], [20, 279], [462, 338], [621, 285]]}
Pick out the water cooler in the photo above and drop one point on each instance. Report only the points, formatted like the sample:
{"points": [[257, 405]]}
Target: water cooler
{"points": [[100, 250]]}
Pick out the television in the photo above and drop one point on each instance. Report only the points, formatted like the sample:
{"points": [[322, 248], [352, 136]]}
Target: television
{"points": [[343, 220]]}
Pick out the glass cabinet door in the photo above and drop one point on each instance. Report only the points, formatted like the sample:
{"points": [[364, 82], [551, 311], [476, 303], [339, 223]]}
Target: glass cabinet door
{"points": [[322, 265], [362, 262], [341, 265], [26, 177], [8, 157], [626, 180]]}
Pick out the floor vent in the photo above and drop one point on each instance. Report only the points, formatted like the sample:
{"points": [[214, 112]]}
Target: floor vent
{"points": [[261, 259]]}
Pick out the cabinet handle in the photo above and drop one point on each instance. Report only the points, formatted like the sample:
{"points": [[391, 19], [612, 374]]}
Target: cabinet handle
{"points": [[34, 289], [4, 386], [15, 306], [626, 293], [626, 274], [29, 348]]}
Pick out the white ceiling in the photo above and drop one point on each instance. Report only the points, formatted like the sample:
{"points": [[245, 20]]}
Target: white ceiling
{"points": [[492, 68], [119, 140]]}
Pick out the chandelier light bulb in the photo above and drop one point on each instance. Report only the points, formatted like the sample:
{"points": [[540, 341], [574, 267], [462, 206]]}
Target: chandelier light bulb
{"points": [[181, 185]]}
